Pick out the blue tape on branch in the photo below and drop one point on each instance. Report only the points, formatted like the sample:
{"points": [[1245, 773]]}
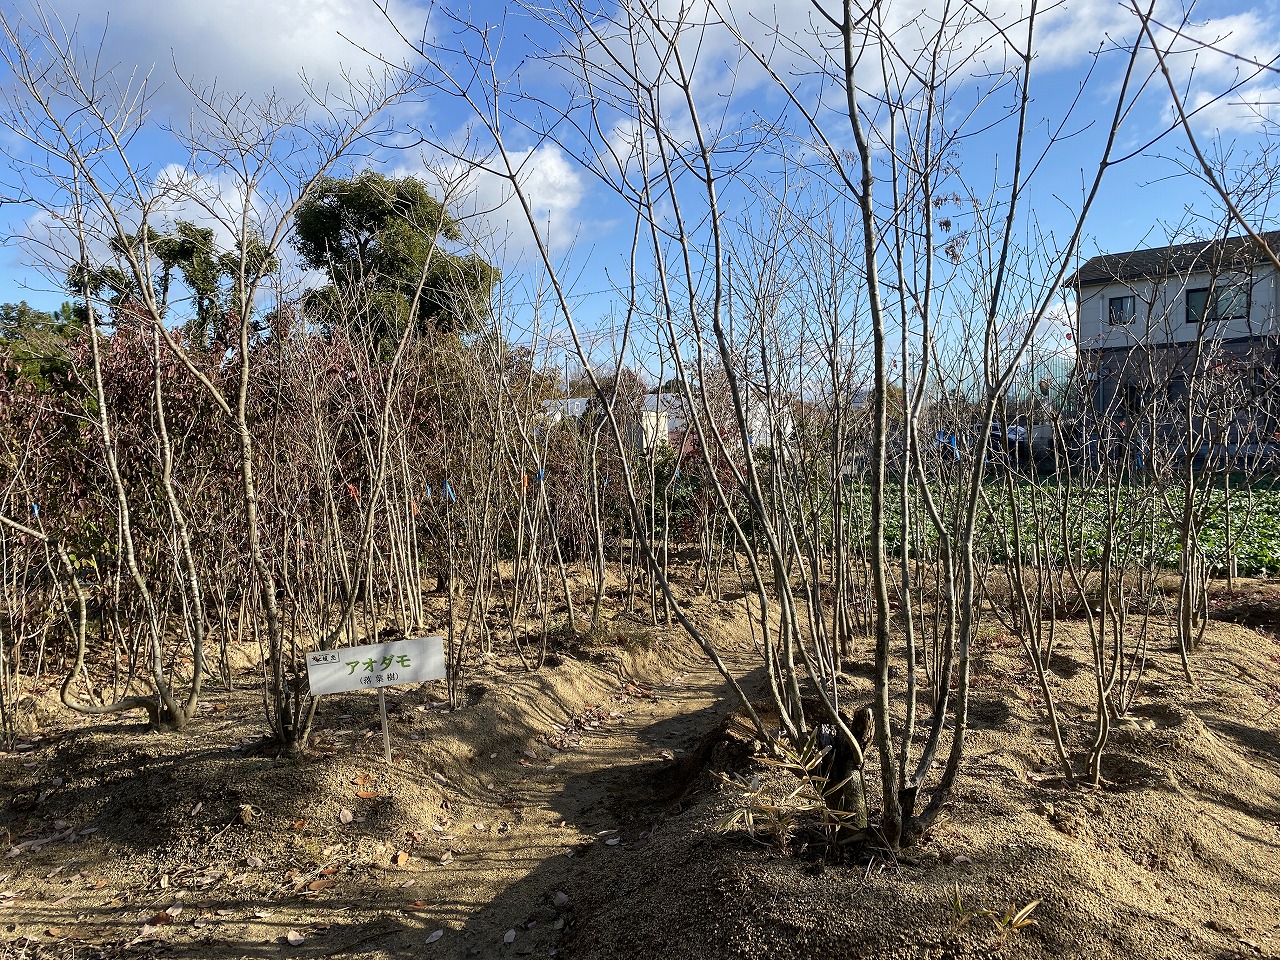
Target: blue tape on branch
{"points": [[35, 510], [446, 492], [428, 493], [540, 476]]}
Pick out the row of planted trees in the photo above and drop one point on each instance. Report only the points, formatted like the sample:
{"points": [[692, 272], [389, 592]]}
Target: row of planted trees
{"points": [[396, 486], [865, 253], [213, 457], [198, 455]]}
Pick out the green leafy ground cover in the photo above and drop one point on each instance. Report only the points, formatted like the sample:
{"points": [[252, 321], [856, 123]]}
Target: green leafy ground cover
{"points": [[1143, 523]]}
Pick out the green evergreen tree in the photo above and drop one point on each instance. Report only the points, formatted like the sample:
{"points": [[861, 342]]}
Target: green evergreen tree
{"points": [[380, 240]]}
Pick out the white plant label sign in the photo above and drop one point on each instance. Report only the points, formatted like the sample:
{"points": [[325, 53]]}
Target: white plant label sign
{"points": [[412, 660]]}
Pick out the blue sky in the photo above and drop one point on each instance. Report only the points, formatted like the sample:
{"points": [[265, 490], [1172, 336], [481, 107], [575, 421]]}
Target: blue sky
{"points": [[259, 48]]}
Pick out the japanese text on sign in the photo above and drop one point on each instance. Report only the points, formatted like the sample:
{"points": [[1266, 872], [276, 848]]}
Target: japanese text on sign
{"points": [[411, 660]]}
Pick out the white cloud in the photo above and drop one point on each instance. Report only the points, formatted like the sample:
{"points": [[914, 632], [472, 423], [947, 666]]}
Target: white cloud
{"points": [[490, 211], [974, 41], [242, 46], [216, 202], [1241, 112], [1215, 50]]}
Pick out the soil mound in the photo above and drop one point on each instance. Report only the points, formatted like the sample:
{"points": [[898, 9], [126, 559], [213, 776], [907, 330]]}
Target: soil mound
{"points": [[1177, 855], [575, 812]]}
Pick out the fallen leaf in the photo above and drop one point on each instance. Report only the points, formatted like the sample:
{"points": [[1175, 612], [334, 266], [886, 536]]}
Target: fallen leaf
{"points": [[253, 861], [321, 884], [298, 825], [432, 938], [510, 937], [446, 857], [346, 816], [560, 899], [363, 779], [612, 842], [160, 919], [368, 794], [174, 910], [400, 859], [197, 808], [295, 938]]}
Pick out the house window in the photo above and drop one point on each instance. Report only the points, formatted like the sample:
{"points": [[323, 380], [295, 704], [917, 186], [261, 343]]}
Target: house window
{"points": [[1223, 302], [1120, 310]]}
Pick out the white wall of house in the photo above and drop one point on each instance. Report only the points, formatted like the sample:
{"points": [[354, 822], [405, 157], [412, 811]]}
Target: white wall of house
{"points": [[1160, 311], [651, 430], [568, 408]]}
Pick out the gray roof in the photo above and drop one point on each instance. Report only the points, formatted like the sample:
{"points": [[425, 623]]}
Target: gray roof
{"points": [[1212, 256]]}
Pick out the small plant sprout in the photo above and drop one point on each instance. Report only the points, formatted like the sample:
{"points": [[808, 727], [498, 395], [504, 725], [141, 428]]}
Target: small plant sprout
{"points": [[1014, 921], [959, 915], [775, 814]]}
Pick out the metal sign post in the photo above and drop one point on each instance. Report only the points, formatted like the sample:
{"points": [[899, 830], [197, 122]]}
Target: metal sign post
{"points": [[386, 731], [377, 666]]}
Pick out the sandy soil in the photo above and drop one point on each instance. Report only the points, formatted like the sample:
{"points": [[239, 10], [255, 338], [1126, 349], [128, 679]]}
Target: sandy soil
{"points": [[571, 813]]}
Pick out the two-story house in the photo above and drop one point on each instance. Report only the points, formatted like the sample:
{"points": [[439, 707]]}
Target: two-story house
{"points": [[1195, 321]]}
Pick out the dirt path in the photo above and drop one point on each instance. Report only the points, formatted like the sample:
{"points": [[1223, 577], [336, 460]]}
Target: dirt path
{"points": [[569, 819], [474, 845]]}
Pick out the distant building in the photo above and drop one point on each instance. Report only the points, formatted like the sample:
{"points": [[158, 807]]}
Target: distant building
{"points": [[765, 425], [648, 430], [564, 408], [1150, 322]]}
